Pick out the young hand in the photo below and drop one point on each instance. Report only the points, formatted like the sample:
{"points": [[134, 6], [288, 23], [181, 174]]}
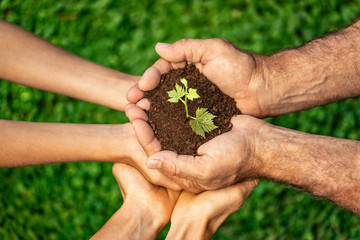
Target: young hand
{"points": [[146, 209], [199, 216]]}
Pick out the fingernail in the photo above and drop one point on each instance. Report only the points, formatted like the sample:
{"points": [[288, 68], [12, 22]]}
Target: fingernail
{"points": [[154, 164], [163, 45]]}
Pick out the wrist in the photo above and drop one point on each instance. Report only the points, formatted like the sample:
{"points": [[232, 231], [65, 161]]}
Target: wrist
{"points": [[109, 142], [188, 229], [148, 223], [259, 86], [265, 150], [129, 222]]}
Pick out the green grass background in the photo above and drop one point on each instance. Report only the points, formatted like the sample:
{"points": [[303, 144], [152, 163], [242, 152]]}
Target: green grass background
{"points": [[72, 201]]}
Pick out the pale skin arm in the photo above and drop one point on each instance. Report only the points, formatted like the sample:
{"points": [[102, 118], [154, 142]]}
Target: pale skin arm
{"points": [[29, 60]]}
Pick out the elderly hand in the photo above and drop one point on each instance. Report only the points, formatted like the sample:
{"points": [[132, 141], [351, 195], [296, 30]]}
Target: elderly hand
{"points": [[237, 74]]}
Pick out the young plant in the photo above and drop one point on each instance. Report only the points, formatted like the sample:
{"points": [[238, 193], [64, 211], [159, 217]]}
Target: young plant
{"points": [[203, 122]]}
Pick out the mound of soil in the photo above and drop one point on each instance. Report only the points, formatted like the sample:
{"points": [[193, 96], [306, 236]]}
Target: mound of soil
{"points": [[168, 120]]}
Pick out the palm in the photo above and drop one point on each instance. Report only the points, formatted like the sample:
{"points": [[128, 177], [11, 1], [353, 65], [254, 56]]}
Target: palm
{"points": [[136, 189]]}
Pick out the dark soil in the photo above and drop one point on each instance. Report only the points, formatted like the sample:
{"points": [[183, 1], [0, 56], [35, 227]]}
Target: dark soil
{"points": [[168, 120]]}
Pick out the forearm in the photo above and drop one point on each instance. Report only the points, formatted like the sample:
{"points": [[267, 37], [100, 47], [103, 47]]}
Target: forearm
{"points": [[324, 166], [29, 60], [129, 223], [322, 71], [26, 143]]}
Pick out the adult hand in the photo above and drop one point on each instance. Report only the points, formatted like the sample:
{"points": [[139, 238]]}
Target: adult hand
{"points": [[199, 216], [146, 209], [238, 74], [221, 162], [137, 191], [135, 156]]}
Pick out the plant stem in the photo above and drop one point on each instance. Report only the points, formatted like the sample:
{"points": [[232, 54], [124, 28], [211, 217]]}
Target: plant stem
{"points": [[185, 102]]}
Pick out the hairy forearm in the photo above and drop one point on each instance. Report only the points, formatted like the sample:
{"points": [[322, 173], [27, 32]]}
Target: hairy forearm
{"points": [[26, 143], [323, 166], [29, 60], [130, 222], [324, 70]]}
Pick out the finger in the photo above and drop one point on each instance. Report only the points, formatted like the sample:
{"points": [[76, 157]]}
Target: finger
{"points": [[172, 164], [146, 137], [184, 50], [144, 104], [133, 112], [151, 77], [164, 181], [134, 94], [216, 145]]}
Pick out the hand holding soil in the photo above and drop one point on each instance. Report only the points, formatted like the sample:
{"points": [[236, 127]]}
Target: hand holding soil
{"points": [[236, 73]]}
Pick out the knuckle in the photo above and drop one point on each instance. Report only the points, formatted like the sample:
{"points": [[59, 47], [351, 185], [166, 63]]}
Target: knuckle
{"points": [[173, 170], [205, 174]]}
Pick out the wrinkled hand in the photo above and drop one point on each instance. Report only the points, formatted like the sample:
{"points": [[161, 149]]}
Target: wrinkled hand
{"points": [[199, 216], [221, 162], [237, 74], [157, 201]]}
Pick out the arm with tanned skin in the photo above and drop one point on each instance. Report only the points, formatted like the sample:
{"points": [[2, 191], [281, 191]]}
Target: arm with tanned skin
{"points": [[322, 71], [29, 60], [27, 143]]}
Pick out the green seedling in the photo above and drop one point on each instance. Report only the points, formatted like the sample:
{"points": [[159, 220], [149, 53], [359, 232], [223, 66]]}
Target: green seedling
{"points": [[203, 122]]}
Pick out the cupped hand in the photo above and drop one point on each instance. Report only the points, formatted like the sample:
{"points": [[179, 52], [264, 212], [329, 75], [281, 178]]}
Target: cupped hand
{"points": [[221, 162], [136, 157], [199, 216], [237, 73], [157, 202]]}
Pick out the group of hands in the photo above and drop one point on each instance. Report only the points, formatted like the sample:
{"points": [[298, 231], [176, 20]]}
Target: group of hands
{"points": [[196, 193]]}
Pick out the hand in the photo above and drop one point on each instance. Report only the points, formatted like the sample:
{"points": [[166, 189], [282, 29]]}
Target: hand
{"points": [[136, 157], [137, 191], [221, 162], [146, 209], [199, 216], [238, 74]]}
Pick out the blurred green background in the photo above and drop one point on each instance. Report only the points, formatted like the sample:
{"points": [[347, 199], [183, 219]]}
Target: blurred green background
{"points": [[72, 201]]}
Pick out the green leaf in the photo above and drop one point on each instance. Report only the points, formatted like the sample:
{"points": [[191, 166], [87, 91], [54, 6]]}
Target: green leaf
{"points": [[176, 95], [192, 94], [203, 123], [180, 90], [184, 81]]}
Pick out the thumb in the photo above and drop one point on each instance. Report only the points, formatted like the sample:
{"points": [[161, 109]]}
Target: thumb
{"points": [[191, 50], [172, 164]]}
